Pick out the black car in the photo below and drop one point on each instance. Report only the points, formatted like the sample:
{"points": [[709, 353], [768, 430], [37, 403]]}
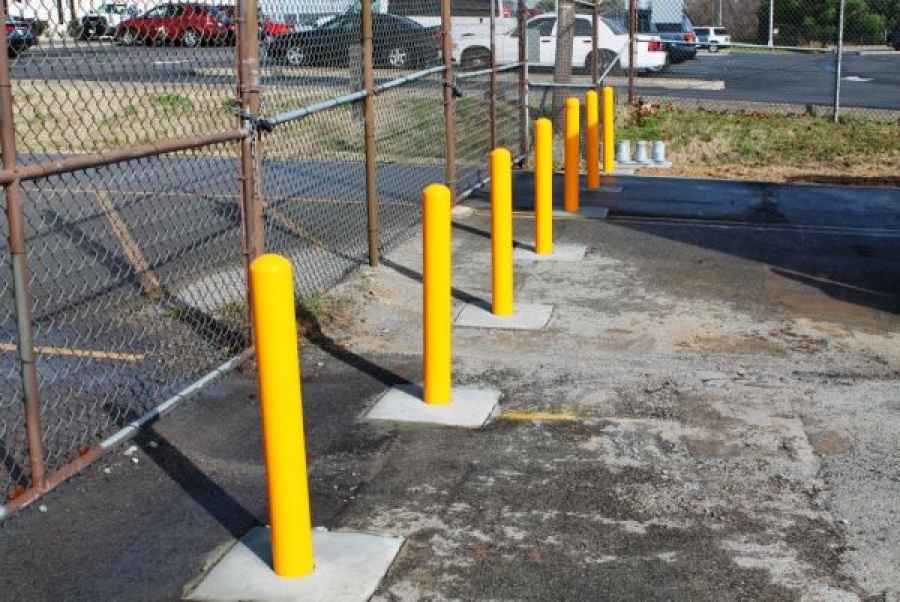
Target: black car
{"points": [[893, 38], [19, 36], [398, 42]]}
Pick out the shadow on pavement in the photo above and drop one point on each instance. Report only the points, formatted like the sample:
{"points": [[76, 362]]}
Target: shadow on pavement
{"points": [[843, 241]]}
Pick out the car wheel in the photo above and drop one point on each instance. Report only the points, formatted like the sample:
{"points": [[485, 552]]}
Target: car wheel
{"points": [[476, 58], [600, 61], [398, 57], [296, 56], [713, 48], [129, 37], [190, 38]]}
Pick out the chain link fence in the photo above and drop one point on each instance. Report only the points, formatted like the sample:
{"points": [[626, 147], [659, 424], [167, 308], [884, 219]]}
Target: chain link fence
{"points": [[151, 151]]}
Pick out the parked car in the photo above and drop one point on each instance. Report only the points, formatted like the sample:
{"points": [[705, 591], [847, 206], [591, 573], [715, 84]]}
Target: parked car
{"points": [[712, 38], [893, 38], [474, 51], [679, 39], [398, 42], [189, 24], [267, 26], [19, 36], [103, 20]]}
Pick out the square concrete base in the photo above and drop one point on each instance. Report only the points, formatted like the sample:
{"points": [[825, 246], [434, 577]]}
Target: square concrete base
{"points": [[560, 253], [468, 407], [349, 567], [590, 212], [525, 317]]}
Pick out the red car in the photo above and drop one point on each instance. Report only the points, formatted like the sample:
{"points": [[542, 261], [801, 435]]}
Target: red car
{"points": [[189, 24]]}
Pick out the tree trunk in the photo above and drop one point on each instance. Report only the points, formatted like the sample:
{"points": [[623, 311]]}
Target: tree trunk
{"points": [[562, 73]]}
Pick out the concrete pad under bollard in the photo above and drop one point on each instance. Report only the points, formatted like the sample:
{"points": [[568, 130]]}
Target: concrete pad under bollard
{"points": [[561, 252], [468, 407], [349, 567], [527, 316]]}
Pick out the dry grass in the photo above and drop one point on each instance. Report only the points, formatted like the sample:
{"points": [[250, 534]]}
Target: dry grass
{"points": [[779, 148], [79, 117]]}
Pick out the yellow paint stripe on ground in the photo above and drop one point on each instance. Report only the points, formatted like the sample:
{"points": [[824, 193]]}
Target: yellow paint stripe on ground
{"points": [[537, 416], [100, 355]]}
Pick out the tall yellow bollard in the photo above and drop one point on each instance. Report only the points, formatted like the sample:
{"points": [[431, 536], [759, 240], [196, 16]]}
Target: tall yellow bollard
{"points": [[280, 397], [501, 232], [609, 133], [436, 278], [572, 158], [592, 138], [543, 187]]}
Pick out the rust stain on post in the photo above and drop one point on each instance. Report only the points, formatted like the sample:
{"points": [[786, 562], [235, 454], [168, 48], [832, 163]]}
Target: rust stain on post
{"points": [[21, 291]]}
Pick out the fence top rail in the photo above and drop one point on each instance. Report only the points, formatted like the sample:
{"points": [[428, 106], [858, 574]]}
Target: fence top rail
{"points": [[53, 167], [337, 101], [480, 72]]}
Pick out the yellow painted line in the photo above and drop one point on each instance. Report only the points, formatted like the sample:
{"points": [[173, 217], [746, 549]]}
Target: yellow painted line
{"points": [[101, 355], [537, 416]]}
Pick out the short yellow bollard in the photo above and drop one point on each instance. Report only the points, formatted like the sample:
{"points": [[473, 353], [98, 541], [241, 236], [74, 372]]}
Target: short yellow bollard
{"points": [[501, 232], [609, 134], [592, 138], [543, 187], [436, 279], [572, 157], [280, 397]]}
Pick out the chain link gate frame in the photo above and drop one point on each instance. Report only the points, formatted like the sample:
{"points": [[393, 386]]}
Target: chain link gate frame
{"points": [[127, 263]]}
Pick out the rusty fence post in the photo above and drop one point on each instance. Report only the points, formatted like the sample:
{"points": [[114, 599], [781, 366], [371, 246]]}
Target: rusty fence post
{"points": [[595, 44], [523, 81], [492, 104], [368, 81], [247, 65], [19, 260], [448, 83]]}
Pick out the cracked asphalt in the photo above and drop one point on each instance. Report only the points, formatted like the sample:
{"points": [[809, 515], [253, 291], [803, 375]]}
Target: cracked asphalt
{"points": [[711, 414]]}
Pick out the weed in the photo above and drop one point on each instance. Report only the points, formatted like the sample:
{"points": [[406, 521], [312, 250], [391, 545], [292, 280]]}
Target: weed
{"points": [[173, 101], [130, 111]]}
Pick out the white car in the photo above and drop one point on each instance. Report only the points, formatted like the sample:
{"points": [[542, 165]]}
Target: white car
{"points": [[712, 38], [473, 52]]}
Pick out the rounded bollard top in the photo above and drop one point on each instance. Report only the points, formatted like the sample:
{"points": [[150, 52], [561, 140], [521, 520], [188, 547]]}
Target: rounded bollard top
{"points": [[502, 153], [572, 102], [271, 263], [436, 189]]}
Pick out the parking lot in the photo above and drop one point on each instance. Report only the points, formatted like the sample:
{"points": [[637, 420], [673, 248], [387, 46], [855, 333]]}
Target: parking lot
{"points": [[869, 78]]}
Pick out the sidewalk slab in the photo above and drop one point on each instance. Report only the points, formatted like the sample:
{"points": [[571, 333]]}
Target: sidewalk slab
{"points": [[561, 252], [349, 567], [526, 316], [469, 407]]}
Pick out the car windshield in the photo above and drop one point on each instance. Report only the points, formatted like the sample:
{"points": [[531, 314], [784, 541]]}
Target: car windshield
{"points": [[616, 27]]}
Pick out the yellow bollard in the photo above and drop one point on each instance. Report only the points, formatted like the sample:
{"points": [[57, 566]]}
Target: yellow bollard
{"points": [[436, 278], [609, 134], [592, 138], [572, 157], [280, 398], [543, 187], [501, 232]]}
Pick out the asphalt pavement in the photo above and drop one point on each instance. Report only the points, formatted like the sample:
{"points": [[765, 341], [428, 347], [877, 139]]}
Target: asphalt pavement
{"points": [[710, 415]]}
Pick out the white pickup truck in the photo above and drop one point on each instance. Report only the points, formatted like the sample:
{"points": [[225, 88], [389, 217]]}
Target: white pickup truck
{"points": [[473, 51]]}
